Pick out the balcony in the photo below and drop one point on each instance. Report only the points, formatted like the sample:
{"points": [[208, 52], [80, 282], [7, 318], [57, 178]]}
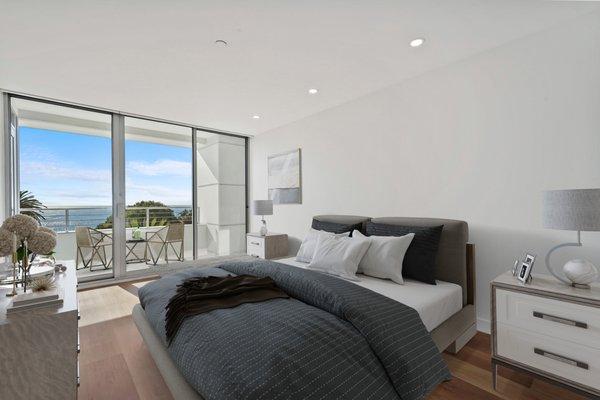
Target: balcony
{"points": [[66, 158], [65, 220]]}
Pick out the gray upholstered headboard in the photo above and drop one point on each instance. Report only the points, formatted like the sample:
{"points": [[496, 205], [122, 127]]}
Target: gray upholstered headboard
{"points": [[452, 261]]}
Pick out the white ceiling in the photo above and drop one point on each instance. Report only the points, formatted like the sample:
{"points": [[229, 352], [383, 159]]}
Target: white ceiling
{"points": [[158, 58], [41, 115]]}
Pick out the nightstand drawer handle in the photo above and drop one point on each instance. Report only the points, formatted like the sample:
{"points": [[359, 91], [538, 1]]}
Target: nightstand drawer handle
{"points": [[255, 243], [560, 358], [560, 320]]}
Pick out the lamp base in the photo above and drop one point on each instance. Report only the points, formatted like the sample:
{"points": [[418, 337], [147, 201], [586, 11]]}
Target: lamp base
{"points": [[263, 228], [581, 273], [576, 273], [581, 286]]}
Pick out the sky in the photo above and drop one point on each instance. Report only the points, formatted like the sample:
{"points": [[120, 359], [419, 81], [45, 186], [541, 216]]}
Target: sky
{"points": [[70, 169]]}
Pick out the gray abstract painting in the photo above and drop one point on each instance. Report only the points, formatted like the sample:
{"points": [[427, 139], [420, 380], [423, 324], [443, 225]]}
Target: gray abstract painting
{"points": [[284, 178]]}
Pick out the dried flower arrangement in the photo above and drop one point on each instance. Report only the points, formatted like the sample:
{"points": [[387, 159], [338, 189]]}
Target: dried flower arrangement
{"points": [[23, 226], [42, 243], [8, 243], [47, 230], [31, 239]]}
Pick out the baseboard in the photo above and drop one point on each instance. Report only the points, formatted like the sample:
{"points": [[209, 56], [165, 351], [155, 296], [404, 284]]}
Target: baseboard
{"points": [[483, 325], [114, 281]]}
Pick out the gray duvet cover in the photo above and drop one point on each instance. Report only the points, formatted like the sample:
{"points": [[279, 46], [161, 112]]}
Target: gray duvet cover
{"points": [[332, 340]]}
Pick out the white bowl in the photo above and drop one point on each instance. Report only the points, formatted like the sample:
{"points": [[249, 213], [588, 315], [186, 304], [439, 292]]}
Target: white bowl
{"points": [[581, 272]]}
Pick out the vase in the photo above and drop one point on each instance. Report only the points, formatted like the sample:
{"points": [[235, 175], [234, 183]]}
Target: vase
{"points": [[25, 267], [15, 264]]}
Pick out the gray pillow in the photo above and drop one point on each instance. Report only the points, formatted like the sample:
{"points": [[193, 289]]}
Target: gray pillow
{"points": [[335, 227]]}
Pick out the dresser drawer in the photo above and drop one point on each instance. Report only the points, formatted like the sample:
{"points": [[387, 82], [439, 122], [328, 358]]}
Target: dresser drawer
{"points": [[255, 246], [568, 360], [560, 319]]}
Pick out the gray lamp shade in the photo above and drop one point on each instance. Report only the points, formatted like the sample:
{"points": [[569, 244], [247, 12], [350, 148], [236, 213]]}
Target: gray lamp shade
{"points": [[262, 207], [574, 210]]}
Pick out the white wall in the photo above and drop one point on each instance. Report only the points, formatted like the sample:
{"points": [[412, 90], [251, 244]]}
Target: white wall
{"points": [[477, 140], [221, 193]]}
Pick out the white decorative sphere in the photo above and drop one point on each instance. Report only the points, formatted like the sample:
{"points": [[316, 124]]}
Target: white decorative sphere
{"points": [[581, 272]]}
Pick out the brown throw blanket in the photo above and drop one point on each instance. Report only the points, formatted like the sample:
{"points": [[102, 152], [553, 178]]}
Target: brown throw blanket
{"points": [[203, 294]]}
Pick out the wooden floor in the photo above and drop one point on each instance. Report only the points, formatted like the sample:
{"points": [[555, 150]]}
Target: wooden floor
{"points": [[115, 364]]}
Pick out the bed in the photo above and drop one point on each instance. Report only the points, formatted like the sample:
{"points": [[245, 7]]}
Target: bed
{"points": [[446, 309], [435, 304]]}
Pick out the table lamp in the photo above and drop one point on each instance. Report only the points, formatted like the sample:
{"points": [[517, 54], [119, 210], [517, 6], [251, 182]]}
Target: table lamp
{"points": [[262, 208], [573, 210]]}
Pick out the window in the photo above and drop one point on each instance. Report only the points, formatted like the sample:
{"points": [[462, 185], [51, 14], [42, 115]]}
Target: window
{"points": [[182, 189], [64, 163]]}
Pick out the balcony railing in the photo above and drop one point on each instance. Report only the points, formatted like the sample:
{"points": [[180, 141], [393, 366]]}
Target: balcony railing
{"points": [[65, 219]]}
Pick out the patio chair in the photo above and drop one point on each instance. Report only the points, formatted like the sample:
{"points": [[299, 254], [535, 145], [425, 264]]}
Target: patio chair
{"points": [[169, 236], [92, 244]]}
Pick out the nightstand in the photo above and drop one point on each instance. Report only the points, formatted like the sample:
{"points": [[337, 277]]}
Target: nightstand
{"points": [[273, 245], [548, 329]]}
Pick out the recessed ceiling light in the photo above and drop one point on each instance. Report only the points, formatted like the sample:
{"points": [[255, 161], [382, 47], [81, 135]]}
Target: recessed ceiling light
{"points": [[313, 91], [256, 116], [418, 42], [221, 43]]}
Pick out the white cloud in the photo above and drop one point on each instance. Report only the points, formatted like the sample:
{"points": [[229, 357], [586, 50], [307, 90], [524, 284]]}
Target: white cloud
{"points": [[161, 168], [54, 170], [84, 196], [164, 194]]}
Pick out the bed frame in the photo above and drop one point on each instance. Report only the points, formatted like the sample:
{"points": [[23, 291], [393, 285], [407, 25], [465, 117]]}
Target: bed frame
{"points": [[455, 263]]}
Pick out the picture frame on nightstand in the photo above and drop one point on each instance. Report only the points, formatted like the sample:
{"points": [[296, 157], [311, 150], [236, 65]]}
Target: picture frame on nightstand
{"points": [[530, 259], [522, 269], [524, 272]]}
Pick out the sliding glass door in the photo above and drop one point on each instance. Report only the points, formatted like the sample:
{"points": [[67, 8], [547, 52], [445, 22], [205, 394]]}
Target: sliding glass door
{"points": [[127, 196], [158, 194], [62, 166]]}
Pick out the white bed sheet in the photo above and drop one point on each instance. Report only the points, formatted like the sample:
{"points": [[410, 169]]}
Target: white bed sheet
{"points": [[434, 303]]}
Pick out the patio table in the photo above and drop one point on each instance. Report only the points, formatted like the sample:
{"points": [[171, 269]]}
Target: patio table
{"points": [[131, 244]]}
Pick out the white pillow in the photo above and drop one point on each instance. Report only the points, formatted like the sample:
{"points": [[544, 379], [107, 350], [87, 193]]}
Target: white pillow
{"points": [[339, 256], [385, 255], [309, 244]]}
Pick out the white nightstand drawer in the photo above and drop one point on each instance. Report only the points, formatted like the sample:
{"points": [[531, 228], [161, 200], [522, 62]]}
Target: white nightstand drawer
{"points": [[270, 246], [255, 246], [560, 319], [564, 359]]}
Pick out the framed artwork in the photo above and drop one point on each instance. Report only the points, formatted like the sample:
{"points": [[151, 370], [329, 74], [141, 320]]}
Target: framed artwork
{"points": [[284, 180]]}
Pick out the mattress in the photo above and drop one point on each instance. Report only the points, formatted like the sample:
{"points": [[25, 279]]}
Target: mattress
{"points": [[434, 303]]}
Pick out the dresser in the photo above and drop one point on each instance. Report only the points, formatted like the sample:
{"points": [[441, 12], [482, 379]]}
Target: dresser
{"points": [[549, 329], [272, 245], [39, 347]]}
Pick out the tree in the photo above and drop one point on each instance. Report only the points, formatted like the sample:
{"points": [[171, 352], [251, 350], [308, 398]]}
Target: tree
{"points": [[136, 218], [31, 206], [185, 216]]}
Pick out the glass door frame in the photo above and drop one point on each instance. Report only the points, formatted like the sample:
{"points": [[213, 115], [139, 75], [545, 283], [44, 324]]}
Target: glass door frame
{"points": [[12, 173], [195, 216], [117, 173], [118, 195]]}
